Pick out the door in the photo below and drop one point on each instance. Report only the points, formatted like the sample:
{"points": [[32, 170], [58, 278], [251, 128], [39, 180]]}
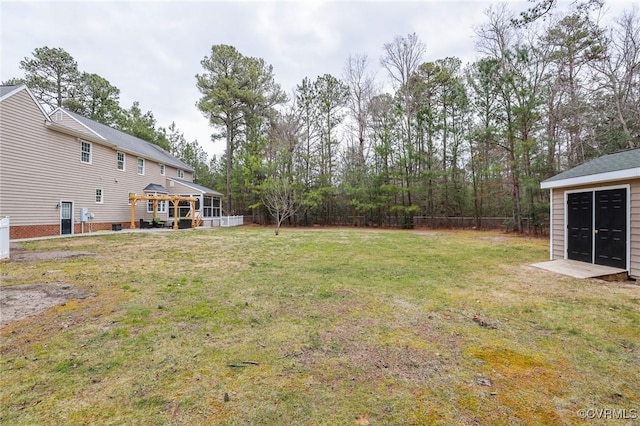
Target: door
{"points": [[66, 210], [579, 226], [611, 228]]}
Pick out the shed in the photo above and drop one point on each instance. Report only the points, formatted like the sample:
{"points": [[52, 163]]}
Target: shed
{"points": [[595, 212]]}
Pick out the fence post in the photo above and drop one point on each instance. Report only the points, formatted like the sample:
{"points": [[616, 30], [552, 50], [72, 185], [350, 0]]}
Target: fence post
{"points": [[4, 238]]}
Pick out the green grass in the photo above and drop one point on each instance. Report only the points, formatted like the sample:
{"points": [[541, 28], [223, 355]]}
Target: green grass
{"points": [[341, 326]]}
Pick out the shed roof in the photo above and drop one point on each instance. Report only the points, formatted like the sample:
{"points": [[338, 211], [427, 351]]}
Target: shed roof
{"points": [[611, 167]]}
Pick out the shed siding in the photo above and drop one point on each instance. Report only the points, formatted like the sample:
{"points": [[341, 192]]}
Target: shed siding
{"points": [[559, 225], [41, 167], [635, 229]]}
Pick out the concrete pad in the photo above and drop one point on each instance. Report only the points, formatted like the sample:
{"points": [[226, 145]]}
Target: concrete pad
{"points": [[576, 269]]}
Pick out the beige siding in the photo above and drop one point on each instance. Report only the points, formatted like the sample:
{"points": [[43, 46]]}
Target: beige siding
{"points": [[65, 120], [559, 226], [635, 229], [40, 167]]}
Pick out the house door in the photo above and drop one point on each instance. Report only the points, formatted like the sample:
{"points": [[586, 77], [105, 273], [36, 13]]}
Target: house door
{"points": [[611, 228], [579, 226], [66, 210]]}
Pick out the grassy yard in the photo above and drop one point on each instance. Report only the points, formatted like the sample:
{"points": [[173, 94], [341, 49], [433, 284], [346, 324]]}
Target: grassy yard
{"points": [[318, 327]]}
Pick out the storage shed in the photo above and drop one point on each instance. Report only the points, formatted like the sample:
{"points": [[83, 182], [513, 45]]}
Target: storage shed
{"points": [[595, 212]]}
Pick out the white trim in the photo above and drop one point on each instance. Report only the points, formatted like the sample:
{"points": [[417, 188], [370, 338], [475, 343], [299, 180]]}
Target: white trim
{"points": [[77, 121], [82, 152], [124, 161], [71, 214], [101, 196], [19, 89], [551, 224], [138, 166], [593, 191], [592, 179]]}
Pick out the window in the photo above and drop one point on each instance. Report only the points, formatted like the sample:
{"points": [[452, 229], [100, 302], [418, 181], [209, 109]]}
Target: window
{"points": [[99, 196], [120, 157], [181, 174], [210, 207], [141, 166], [162, 169], [85, 152], [162, 206]]}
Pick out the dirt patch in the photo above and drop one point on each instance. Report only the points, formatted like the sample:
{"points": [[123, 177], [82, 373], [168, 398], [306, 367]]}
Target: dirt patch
{"points": [[20, 255], [495, 239], [21, 301]]}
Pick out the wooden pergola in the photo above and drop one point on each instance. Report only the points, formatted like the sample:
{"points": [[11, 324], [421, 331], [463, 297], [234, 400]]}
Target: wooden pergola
{"points": [[174, 199]]}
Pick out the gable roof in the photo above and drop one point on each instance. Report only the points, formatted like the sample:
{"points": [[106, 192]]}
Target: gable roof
{"points": [[611, 167], [6, 91], [195, 186], [125, 142]]}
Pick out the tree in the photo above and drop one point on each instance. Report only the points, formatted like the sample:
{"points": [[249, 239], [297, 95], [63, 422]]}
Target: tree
{"points": [[225, 90], [95, 98], [143, 126], [238, 95], [280, 198], [543, 8], [618, 85], [52, 74]]}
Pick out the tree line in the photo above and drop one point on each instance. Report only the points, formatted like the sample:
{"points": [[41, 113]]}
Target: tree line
{"points": [[429, 139]]}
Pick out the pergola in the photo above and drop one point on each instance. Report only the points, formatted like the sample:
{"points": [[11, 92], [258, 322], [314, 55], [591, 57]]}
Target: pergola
{"points": [[174, 199]]}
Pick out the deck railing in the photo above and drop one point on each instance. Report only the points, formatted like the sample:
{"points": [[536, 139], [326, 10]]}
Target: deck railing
{"points": [[227, 221]]}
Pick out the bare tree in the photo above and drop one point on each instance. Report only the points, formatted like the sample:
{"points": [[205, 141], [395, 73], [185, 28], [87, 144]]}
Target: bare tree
{"points": [[280, 198], [402, 57], [361, 88]]}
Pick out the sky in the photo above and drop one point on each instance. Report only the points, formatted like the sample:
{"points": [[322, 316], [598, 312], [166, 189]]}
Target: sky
{"points": [[151, 50]]}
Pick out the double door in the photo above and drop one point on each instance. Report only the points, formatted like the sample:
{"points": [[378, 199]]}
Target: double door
{"points": [[597, 227]]}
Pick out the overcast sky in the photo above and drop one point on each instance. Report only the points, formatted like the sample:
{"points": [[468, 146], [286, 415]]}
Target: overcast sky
{"points": [[152, 51]]}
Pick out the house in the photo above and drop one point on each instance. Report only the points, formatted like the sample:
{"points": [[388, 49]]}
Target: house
{"points": [[595, 212], [61, 173]]}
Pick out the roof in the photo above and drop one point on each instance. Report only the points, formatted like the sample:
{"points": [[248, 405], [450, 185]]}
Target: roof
{"points": [[195, 186], [5, 90], [127, 142], [155, 187], [617, 166]]}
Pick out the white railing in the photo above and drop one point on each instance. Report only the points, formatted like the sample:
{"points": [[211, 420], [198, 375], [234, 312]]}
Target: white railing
{"points": [[4, 238], [227, 221]]}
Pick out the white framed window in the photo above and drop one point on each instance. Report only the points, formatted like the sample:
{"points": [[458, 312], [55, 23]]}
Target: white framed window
{"points": [[85, 152], [141, 166], [162, 169], [99, 196], [181, 174], [162, 206], [120, 159]]}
